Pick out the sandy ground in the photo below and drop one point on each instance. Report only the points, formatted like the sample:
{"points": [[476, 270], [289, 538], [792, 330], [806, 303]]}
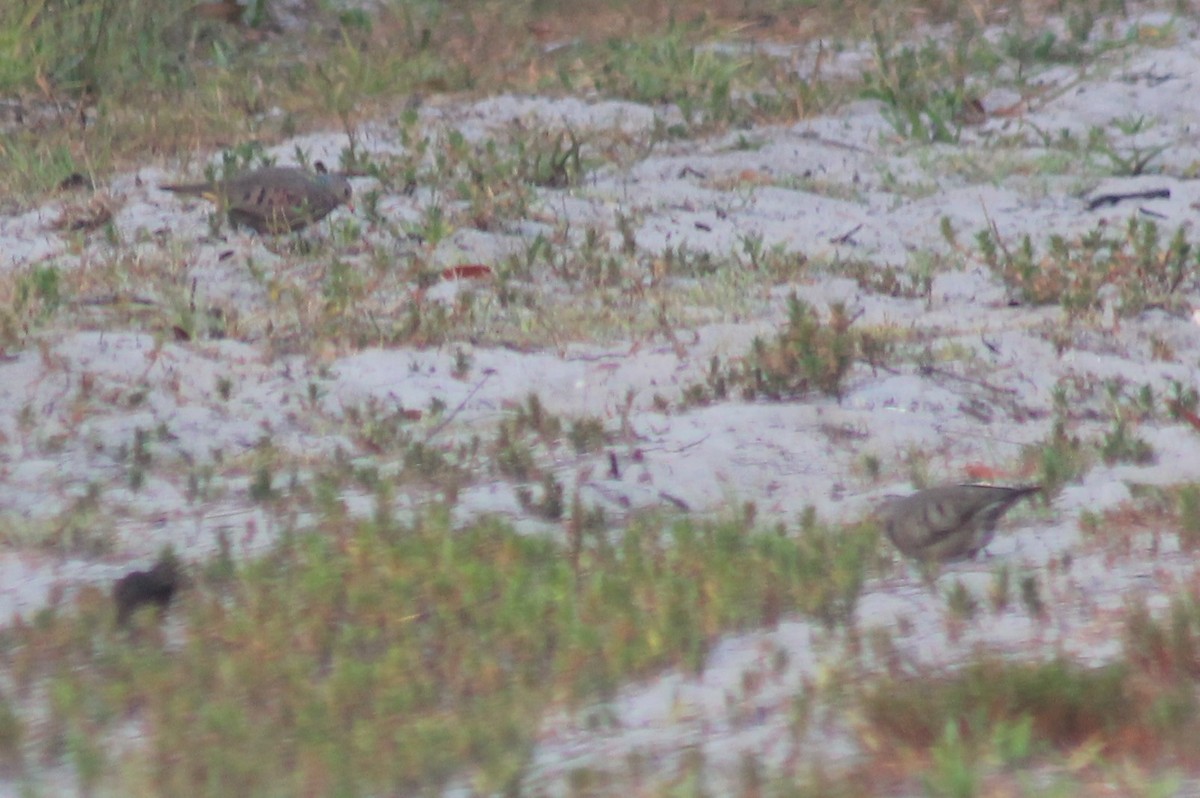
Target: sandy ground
{"points": [[840, 189]]}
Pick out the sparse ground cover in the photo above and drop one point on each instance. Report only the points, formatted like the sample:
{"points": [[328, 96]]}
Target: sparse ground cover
{"points": [[548, 469]]}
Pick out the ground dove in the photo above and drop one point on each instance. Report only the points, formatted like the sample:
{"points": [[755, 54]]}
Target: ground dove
{"points": [[142, 588], [952, 522], [275, 199]]}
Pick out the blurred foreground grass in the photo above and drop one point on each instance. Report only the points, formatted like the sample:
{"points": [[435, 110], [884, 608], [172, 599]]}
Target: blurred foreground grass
{"points": [[379, 658]]}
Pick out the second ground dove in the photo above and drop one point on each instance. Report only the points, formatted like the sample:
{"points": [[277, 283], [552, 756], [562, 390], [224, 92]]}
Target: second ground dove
{"points": [[155, 587], [952, 522]]}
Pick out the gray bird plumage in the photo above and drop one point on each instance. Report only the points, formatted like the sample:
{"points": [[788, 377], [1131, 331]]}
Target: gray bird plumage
{"points": [[275, 199], [952, 522]]}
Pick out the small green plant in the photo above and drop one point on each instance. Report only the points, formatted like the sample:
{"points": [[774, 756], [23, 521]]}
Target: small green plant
{"points": [[260, 487], [1183, 401], [435, 227], [237, 159], [1013, 741], [872, 466], [551, 160], [1062, 457], [549, 505], [910, 282], [379, 427], [513, 457], [808, 356], [38, 290], [1121, 445], [342, 287], [1189, 516], [428, 464], [489, 178], [587, 435], [955, 772], [533, 417], [921, 88], [1000, 590], [139, 457], [960, 603], [1029, 47], [1031, 596], [781, 264], [1136, 269], [1062, 703], [1130, 161], [669, 69], [462, 364]]}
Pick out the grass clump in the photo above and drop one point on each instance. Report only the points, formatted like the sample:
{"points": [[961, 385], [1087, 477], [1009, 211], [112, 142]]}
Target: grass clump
{"points": [[692, 67], [969, 724], [991, 714], [371, 656], [1188, 506], [90, 46], [927, 88], [910, 82], [669, 69], [808, 356], [1066, 703], [1133, 271], [101, 83]]}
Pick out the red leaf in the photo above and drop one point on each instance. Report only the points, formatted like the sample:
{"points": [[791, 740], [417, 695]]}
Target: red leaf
{"points": [[467, 271]]}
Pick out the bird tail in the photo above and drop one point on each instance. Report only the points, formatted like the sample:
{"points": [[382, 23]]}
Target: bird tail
{"points": [[1016, 490], [205, 190], [1020, 492]]}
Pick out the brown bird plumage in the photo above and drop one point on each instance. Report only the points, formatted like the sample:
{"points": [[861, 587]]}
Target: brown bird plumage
{"points": [[952, 522], [137, 589], [275, 199]]}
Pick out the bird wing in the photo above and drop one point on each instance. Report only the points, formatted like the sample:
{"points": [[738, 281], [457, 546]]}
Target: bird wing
{"points": [[943, 517], [289, 202]]}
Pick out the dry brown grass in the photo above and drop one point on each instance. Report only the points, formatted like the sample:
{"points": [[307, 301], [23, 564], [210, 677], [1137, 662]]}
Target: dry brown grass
{"points": [[215, 84]]}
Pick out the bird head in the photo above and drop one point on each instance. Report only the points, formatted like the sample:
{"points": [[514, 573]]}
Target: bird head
{"points": [[340, 187]]}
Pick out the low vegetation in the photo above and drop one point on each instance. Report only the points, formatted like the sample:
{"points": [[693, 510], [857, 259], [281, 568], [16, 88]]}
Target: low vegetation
{"points": [[96, 85], [379, 656], [1132, 270]]}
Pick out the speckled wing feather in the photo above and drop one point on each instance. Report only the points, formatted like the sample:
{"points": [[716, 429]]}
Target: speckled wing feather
{"points": [[950, 522]]}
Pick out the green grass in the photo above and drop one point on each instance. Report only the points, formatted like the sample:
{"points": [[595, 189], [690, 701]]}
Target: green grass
{"points": [[974, 729], [1068, 703], [373, 656], [104, 83], [810, 355], [1138, 265], [379, 657]]}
